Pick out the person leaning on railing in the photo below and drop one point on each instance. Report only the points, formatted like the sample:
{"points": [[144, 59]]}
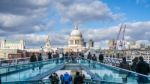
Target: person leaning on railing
{"points": [[142, 68], [125, 65], [134, 64]]}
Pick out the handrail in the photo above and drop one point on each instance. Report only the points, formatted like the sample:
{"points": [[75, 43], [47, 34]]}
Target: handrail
{"points": [[80, 58], [28, 63], [13, 61], [47, 81], [7, 68], [98, 63], [117, 68]]}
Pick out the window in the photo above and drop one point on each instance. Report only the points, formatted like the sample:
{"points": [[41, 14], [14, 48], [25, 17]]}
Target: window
{"points": [[76, 41], [71, 42]]}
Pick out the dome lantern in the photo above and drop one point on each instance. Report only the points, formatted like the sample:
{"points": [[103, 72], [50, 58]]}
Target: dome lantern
{"points": [[76, 32]]}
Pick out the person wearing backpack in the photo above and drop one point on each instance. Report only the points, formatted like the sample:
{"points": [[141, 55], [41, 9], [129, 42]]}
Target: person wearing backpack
{"points": [[54, 78]]}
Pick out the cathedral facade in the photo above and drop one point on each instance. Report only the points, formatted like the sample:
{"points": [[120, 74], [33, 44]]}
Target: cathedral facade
{"points": [[76, 41]]}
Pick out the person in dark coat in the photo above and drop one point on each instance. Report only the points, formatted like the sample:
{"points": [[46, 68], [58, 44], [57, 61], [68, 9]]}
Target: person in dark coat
{"points": [[49, 55], [54, 78], [89, 57], [101, 58], [33, 58], [126, 66], [142, 68], [78, 79], [94, 57], [134, 64], [61, 78], [40, 57], [94, 60]]}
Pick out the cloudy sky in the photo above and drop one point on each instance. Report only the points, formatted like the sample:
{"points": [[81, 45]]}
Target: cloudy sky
{"points": [[33, 20]]}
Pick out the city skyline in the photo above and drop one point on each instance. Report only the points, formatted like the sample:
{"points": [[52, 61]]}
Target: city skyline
{"points": [[33, 20]]}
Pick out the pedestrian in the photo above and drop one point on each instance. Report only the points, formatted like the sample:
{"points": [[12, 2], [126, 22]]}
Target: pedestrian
{"points": [[94, 61], [54, 78], [101, 58], [49, 55], [82, 55], [78, 79], [134, 64], [40, 57], [61, 79], [142, 68], [51, 78], [94, 57], [89, 56], [33, 58], [123, 73], [124, 64], [67, 78]]}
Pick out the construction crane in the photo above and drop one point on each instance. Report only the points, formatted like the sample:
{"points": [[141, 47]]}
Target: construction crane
{"points": [[120, 38]]}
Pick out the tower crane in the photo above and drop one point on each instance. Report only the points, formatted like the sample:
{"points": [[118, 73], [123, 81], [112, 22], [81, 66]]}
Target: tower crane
{"points": [[120, 40]]}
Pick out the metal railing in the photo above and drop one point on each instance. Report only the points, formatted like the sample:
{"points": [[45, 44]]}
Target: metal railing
{"points": [[8, 62], [47, 81], [15, 72], [98, 69], [114, 74]]}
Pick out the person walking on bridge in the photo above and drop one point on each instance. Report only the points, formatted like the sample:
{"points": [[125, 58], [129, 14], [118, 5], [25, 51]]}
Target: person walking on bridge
{"points": [[94, 60], [101, 57], [67, 78], [94, 57], [54, 78], [89, 57], [49, 55], [40, 57], [78, 79]]}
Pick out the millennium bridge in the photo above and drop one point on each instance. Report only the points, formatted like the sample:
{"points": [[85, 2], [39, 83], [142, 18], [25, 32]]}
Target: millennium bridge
{"points": [[38, 72]]}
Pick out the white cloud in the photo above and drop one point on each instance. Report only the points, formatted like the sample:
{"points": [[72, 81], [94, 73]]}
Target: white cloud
{"points": [[9, 20], [137, 31], [39, 2], [81, 12], [26, 18]]}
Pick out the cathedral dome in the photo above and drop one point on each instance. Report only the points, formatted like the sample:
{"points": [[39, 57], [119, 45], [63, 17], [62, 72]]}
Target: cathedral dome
{"points": [[76, 32]]}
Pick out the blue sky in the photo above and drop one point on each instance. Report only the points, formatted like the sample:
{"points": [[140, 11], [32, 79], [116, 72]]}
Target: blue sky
{"points": [[131, 10], [33, 20], [134, 10]]}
